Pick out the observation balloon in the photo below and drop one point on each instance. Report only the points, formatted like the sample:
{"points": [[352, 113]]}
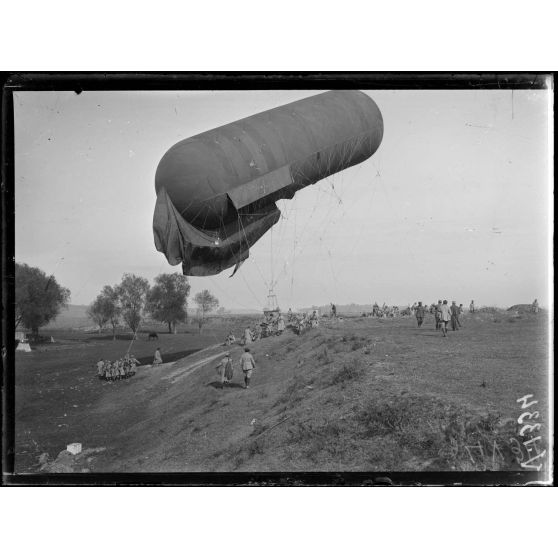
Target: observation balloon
{"points": [[216, 191]]}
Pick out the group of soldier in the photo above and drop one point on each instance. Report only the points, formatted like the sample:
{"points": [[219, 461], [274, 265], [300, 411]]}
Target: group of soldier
{"points": [[118, 370], [384, 311], [304, 321], [225, 368], [273, 324], [443, 314]]}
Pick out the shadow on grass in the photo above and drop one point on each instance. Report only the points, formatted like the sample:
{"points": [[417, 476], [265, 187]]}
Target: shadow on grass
{"points": [[232, 385]]}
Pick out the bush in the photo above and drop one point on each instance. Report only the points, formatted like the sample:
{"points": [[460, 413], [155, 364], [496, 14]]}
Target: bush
{"points": [[350, 371], [449, 437], [292, 393], [256, 447], [315, 440]]}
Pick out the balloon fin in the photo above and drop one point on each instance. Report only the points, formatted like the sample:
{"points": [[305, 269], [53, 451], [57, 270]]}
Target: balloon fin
{"points": [[237, 266]]}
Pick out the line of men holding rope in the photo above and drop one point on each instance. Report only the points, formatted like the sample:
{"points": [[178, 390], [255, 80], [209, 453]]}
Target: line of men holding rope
{"points": [[120, 369]]}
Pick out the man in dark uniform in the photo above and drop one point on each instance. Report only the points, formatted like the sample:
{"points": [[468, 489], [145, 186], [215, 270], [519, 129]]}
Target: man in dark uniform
{"points": [[454, 315], [419, 313]]}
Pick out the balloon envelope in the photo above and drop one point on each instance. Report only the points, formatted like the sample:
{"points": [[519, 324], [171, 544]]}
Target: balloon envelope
{"points": [[216, 191]]}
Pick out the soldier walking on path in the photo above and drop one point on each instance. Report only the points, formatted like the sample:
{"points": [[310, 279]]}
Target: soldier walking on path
{"points": [[248, 365]]}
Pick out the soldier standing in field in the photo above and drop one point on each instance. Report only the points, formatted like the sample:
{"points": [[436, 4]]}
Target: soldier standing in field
{"points": [[157, 359], [419, 313], [445, 316], [438, 313], [454, 309], [459, 312]]}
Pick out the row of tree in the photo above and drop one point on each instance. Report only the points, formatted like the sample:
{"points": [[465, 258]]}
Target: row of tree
{"points": [[133, 300], [39, 299]]}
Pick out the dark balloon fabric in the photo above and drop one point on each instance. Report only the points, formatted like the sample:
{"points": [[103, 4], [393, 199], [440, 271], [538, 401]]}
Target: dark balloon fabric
{"points": [[216, 191]]}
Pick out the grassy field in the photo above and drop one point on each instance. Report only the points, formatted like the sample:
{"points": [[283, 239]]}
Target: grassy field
{"points": [[358, 395]]}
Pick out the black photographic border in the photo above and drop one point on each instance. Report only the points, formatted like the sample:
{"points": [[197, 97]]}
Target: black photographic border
{"points": [[158, 81]]}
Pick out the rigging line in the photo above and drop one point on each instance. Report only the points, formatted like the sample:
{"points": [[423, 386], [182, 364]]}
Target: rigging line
{"points": [[253, 259], [181, 213], [223, 292], [311, 214], [297, 237], [223, 229], [278, 254], [300, 237], [206, 215], [271, 254], [252, 214], [249, 288], [330, 263], [293, 258]]}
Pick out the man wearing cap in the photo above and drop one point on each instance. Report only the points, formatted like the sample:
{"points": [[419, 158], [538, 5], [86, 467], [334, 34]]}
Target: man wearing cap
{"points": [[248, 364]]}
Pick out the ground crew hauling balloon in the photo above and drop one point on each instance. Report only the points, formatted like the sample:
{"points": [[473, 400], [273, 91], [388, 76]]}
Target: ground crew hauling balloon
{"points": [[216, 191]]}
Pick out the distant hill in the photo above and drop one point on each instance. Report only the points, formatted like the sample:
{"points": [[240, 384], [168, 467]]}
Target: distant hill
{"points": [[520, 308], [348, 309], [242, 311], [73, 316]]}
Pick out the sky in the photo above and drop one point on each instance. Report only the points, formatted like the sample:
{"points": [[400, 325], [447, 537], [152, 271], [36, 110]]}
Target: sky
{"points": [[454, 204]]}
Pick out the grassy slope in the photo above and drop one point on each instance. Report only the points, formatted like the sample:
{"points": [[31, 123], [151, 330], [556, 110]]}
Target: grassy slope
{"points": [[363, 394]]}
